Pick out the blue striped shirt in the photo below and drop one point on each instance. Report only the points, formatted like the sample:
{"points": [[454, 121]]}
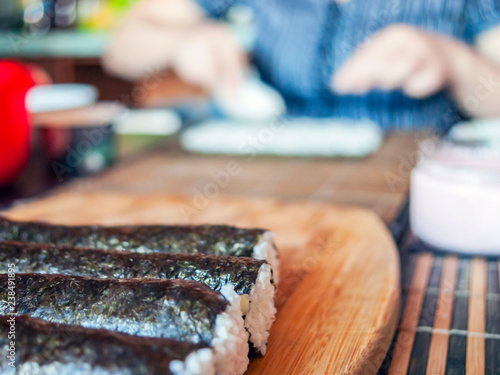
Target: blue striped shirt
{"points": [[300, 43]]}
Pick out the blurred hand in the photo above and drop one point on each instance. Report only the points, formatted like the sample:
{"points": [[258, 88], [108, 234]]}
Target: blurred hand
{"points": [[208, 55], [397, 57]]}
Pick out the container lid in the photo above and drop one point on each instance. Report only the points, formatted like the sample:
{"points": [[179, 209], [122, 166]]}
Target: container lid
{"points": [[60, 97], [149, 122], [478, 132], [462, 163]]}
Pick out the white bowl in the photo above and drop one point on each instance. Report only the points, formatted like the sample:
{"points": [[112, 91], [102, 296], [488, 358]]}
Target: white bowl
{"points": [[455, 200]]}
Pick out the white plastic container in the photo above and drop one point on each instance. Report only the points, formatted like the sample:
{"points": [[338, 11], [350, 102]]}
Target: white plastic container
{"points": [[60, 97], [455, 199]]}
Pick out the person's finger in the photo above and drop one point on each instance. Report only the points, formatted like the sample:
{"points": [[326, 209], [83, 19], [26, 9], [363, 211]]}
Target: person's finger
{"points": [[364, 70], [426, 81], [195, 62], [357, 75], [397, 71], [230, 64], [385, 61]]}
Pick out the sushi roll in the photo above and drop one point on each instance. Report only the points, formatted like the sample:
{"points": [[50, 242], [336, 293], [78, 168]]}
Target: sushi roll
{"points": [[30, 346], [251, 278], [181, 310], [205, 239]]}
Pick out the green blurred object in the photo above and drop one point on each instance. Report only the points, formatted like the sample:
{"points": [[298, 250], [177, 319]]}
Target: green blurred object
{"points": [[40, 16], [133, 144], [101, 14]]}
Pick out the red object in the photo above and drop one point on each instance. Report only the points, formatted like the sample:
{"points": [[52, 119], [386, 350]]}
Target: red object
{"points": [[15, 81]]}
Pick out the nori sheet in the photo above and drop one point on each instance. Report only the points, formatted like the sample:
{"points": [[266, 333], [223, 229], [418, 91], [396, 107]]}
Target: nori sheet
{"points": [[214, 271], [175, 309], [205, 239], [42, 347]]}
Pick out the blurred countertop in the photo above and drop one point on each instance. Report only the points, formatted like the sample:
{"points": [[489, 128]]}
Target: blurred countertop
{"points": [[159, 165], [37, 178]]}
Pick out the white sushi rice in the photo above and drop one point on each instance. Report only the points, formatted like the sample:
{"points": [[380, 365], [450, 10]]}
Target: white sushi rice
{"points": [[265, 250], [230, 342], [261, 313], [200, 362]]}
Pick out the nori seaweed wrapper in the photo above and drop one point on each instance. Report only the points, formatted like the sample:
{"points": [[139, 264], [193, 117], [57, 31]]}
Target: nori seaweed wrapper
{"points": [[206, 239], [42, 347], [175, 309], [214, 271]]}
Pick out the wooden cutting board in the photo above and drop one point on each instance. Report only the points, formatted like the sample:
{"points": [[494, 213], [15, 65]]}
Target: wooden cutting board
{"points": [[339, 297]]}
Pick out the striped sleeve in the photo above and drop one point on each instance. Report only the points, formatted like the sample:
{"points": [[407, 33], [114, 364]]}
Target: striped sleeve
{"points": [[482, 15]]}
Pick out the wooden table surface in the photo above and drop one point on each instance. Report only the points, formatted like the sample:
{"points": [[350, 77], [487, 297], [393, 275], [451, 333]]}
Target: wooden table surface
{"points": [[379, 182]]}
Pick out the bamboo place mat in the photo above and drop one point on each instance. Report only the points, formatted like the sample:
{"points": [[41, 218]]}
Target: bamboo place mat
{"points": [[450, 321]]}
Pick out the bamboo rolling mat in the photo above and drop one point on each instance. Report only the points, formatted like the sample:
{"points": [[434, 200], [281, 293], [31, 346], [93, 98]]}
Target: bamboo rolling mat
{"points": [[451, 316]]}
